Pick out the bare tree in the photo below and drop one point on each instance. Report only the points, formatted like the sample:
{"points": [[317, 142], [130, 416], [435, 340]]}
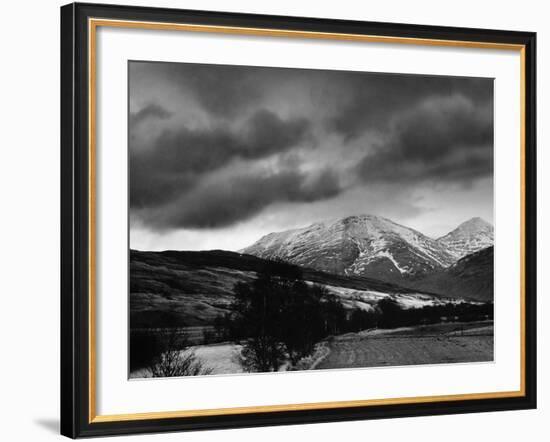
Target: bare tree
{"points": [[176, 359]]}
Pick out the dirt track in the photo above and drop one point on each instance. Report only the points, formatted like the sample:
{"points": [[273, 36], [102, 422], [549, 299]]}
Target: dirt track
{"points": [[434, 344]]}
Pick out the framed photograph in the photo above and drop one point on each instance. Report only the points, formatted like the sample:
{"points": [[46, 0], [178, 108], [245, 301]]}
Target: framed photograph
{"points": [[275, 220]]}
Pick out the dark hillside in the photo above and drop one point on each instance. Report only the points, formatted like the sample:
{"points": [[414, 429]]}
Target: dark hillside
{"points": [[176, 289], [471, 277]]}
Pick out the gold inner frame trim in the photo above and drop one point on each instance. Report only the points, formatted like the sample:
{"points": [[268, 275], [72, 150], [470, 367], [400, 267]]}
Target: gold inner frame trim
{"points": [[93, 24]]}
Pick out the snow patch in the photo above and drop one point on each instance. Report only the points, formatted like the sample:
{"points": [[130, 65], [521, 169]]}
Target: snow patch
{"points": [[388, 255]]}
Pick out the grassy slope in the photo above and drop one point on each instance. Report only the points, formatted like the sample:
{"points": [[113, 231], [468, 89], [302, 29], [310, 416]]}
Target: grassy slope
{"points": [[471, 277], [192, 288]]}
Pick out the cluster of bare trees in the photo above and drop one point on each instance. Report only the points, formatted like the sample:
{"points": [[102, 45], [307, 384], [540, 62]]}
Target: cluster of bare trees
{"points": [[168, 354], [279, 318]]}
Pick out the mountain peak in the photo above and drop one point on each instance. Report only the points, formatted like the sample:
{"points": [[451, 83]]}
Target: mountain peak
{"points": [[364, 217], [477, 222], [470, 236]]}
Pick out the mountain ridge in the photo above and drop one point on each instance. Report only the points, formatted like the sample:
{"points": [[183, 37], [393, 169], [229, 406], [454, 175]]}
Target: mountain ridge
{"points": [[372, 246]]}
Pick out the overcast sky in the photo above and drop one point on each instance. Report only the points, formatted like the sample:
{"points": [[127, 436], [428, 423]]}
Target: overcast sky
{"points": [[222, 155]]}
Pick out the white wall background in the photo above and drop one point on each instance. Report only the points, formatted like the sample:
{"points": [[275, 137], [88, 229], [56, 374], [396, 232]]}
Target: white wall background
{"points": [[29, 221]]}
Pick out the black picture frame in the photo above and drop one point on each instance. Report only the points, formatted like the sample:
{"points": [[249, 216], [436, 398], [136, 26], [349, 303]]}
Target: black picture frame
{"points": [[75, 221]]}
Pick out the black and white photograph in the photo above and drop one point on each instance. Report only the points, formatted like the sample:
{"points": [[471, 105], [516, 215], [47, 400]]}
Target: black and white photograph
{"points": [[289, 219]]}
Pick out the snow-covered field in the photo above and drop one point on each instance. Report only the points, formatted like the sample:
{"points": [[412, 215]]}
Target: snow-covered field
{"points": [[367, 299], [221, 358], [224, 358]]}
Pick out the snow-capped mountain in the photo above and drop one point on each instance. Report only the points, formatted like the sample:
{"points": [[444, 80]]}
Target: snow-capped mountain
{"points": [[469, 237], [364, 245]]}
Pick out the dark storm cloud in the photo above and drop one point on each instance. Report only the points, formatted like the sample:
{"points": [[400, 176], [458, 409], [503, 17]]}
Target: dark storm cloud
{"points": [[442, 140], [255, 126], [148, 112], [199, 150], [324, 185], [179, 157], [374, 99], [152, 187], [221, 91], [221, 204]]}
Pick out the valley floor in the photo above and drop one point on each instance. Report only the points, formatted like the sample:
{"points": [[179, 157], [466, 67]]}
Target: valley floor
{"points": [[427, 344], [430, 344]]}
